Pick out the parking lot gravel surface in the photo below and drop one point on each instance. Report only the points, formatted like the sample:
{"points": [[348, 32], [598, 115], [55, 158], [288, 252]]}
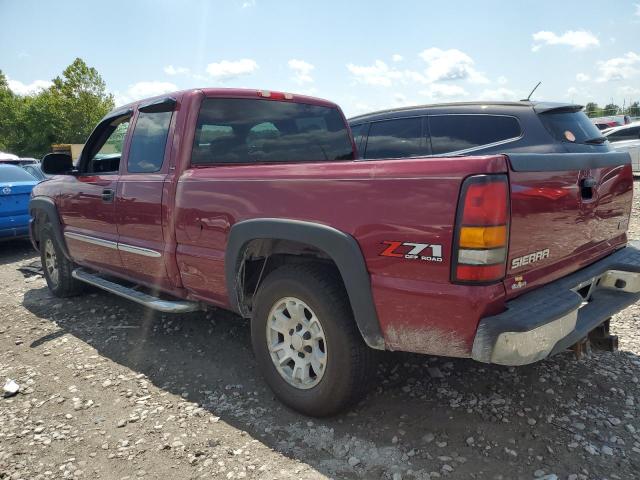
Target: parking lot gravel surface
{"points": [[109, 390]]}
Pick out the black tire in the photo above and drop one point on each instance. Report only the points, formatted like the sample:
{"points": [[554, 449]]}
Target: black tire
{"points": [[64, 285], [350, 362]]}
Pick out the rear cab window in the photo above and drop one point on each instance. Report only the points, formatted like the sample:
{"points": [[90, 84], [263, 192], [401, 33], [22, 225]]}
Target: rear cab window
{"points": [[457, 132], [569, 125], [239, 130]]}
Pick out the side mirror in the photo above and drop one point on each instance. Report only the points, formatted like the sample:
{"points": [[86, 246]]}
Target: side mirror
{"points": [[57, 164]]}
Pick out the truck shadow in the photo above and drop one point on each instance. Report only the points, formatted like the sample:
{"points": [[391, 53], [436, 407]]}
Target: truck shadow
{"points": [[420, 411], [15, 250]]}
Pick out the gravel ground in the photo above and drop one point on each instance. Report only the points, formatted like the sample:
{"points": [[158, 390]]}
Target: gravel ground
{"points": [[111, 391]]}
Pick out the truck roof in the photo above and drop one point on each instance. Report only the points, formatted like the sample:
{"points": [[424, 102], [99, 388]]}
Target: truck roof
{"points": [[225, 93], [539, 107]]}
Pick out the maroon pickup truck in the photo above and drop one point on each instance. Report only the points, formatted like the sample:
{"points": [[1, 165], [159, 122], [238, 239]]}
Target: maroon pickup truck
{"points": [[256, 202]]}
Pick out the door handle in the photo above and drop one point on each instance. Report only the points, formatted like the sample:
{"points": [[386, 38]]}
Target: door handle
{"points": [[587, 185], [107, 195]]}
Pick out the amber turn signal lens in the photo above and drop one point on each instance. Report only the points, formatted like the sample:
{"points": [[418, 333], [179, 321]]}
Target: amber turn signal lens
{"points": [[483, 237]]}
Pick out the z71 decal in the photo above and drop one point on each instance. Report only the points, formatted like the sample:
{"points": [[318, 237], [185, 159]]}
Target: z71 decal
{"points": [[413, 251]]}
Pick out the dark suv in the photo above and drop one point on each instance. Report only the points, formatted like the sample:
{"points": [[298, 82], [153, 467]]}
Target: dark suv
{"points": [[476, 128]]}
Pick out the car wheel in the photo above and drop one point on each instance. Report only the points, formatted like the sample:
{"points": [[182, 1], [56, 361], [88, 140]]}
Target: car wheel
{"points": [[307, 343], [57, 268]]}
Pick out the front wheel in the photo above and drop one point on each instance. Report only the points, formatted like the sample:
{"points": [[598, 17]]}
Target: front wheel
{"points": [[57, 268], [306, 341]]}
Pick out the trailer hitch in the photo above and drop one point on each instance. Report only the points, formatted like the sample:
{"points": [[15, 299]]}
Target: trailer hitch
{"points": [[601, 339], [598, 339]]}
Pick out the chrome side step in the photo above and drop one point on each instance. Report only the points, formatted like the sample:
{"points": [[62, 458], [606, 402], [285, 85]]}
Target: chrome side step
{"points": [[149, 301]]}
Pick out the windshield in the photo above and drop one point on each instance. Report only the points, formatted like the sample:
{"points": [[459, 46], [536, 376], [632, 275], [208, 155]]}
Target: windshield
{"points": [[569, 126], [9, 173]]}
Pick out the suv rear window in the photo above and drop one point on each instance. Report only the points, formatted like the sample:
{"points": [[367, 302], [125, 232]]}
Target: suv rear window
{"points": [[452, 133], [10, 173], [235, 130], [569, 126]]}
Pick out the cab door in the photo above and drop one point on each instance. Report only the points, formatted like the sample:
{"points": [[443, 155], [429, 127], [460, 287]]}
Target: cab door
{"points": [[139, 207], [87, 204]]}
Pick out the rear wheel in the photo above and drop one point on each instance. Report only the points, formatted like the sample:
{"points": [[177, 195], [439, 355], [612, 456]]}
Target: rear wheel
{"points": [[306, 342], [57, 268]]}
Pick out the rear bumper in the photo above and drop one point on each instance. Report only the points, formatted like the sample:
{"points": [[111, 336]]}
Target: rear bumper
{"points": [[554, 317]]}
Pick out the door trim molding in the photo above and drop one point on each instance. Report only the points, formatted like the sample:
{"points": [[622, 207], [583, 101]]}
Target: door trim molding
{"points": [[138, 250], [123, 247], [93, 240]]}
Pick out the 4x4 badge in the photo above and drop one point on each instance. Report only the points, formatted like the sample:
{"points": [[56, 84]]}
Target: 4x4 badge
{"points": [[413, 251]]}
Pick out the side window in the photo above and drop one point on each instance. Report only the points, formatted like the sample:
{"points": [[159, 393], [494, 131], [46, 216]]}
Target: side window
{"points": [[451, 133], [358, 132], [397, 138], [106, 147], [625, 134], [148, 142]]}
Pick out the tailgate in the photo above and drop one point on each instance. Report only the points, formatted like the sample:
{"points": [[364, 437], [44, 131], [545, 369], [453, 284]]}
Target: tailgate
{"points": [[567, 210]]}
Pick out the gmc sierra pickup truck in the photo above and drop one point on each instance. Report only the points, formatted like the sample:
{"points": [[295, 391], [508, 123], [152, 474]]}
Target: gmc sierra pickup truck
{"points": [[256, 202]]}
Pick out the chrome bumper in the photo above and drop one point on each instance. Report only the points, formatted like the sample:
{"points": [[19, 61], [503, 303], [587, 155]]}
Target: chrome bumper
{"points": [[554, 317]]}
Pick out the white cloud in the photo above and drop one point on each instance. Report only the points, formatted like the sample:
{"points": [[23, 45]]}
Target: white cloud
{"points": [[302, 70], [578, 94], [248, 3], [637, 5], [378, 74], [502, 80], [226, 70], [627, 91], [577, 39], [450, 64], [142, 90], [500, 93], [582, 77], [20, 88], [439, 91], [397, 57], [441, 66], [619, 68], [171, 70]]}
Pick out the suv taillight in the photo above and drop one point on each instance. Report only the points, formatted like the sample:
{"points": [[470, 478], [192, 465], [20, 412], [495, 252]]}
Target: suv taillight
{"points": [[482, 230]]}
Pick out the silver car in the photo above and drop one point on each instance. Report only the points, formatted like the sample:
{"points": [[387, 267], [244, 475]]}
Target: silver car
{"points": [[626, 138]]}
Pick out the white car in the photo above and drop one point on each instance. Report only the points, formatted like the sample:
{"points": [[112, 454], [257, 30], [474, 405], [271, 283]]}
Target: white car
{"points": [[626, 138]]}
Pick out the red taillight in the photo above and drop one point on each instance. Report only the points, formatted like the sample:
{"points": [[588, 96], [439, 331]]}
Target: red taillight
{"points": [[481, 231], [485, 204], [479, 273]]}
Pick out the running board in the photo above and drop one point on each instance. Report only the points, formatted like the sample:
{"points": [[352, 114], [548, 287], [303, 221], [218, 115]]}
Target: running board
{"points": [[149, 301]]}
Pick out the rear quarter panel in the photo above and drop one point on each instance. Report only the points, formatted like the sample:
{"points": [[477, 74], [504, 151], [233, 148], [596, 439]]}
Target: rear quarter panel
{"points": [[408, 200]]}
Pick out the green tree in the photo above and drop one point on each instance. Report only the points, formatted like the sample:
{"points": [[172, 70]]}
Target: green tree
{"points": [[611, 109], [82, 94], [592, 109], [634, 109], [8, 107], [66, 112]]}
